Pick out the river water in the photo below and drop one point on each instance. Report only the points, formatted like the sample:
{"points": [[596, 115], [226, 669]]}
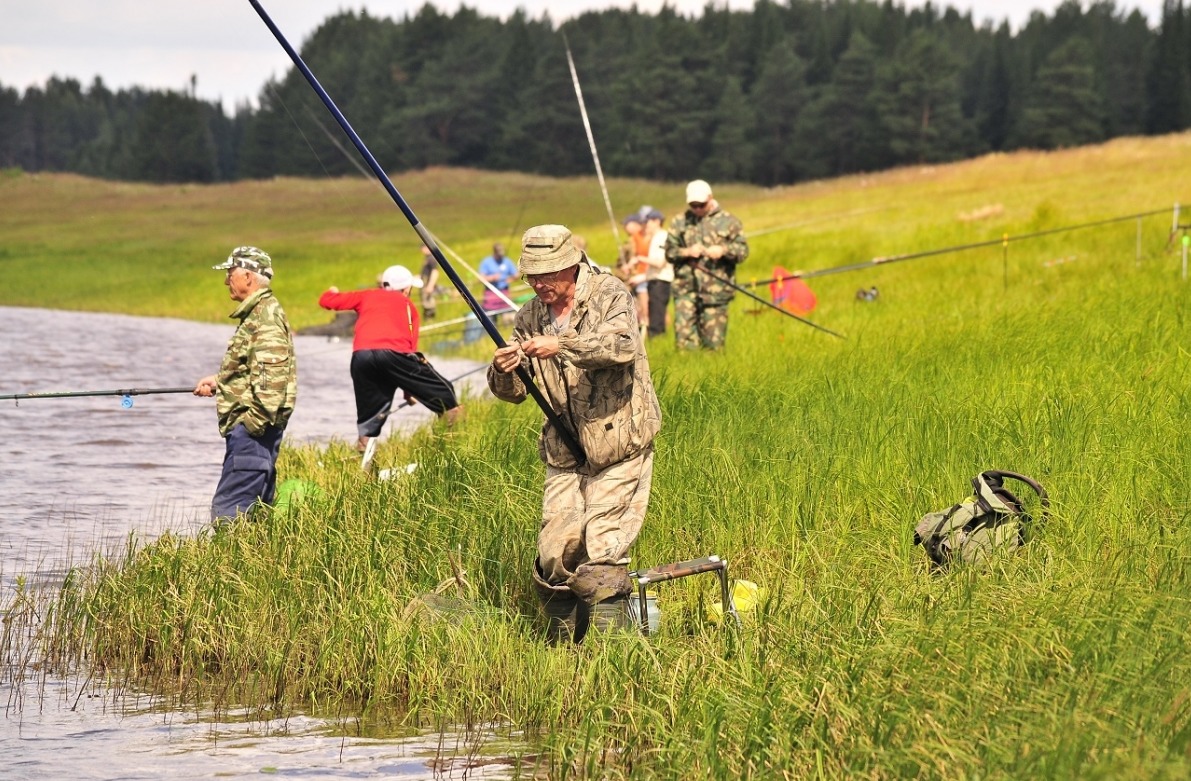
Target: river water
{"points": [[79, 475]]}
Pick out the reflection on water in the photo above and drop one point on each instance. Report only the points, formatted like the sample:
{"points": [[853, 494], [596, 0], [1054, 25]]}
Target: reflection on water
{"points": [[79, 475], [102, 740]]}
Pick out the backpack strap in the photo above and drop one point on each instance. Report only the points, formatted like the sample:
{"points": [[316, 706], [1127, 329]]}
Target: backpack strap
{"points": [[994, 480]]}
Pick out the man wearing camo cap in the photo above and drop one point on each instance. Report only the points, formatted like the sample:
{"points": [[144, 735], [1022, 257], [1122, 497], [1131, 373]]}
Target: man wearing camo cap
{"points": [[255, 388], [579, 337]]}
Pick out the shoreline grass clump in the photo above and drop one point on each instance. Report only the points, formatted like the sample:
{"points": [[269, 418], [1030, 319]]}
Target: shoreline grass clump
{"points": [[805, 461]]}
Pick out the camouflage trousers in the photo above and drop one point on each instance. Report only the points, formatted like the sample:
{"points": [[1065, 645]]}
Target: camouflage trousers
{"points": [[588, 524], [699, 323]]}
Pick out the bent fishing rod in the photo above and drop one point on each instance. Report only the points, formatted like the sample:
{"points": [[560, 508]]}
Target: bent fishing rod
{"points": [[427, 238], [127, 393], [760, 300]]}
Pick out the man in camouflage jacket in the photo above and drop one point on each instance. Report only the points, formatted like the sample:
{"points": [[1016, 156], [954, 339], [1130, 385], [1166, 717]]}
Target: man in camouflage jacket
{"points": [[580, 340], [704, 239], [255, 388]]}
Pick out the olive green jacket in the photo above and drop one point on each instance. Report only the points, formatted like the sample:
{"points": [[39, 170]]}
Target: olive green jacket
{"points": [[257, 383], [599, 383]]}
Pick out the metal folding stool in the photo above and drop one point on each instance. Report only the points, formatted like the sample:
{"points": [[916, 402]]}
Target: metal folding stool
{"points": [[682, 569]]}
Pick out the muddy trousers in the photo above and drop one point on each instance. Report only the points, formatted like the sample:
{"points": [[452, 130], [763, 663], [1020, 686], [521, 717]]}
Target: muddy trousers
{"points": [[588, 524], [249, 472]]}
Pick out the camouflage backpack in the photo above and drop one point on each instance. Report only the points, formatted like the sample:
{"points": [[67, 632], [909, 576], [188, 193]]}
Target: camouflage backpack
{"points": [[990, 521]]}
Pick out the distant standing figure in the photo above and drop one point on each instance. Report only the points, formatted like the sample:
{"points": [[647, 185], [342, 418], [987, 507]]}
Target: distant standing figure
{"points": [[255, 389], [499, 271], [385, 354], [659, 273], [429, 277], [703, 239], [633, 264]]}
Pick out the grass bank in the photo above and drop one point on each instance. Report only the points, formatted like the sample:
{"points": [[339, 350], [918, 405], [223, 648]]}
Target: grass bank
{"points": [[803, 460]]}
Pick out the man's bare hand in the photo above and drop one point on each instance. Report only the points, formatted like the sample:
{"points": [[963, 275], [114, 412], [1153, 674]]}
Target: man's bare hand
{"points": [[507, 359], [205, 386], [714, 252], [540, 347]]}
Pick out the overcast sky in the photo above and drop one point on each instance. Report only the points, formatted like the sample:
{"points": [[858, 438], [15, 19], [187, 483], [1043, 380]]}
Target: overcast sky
{"points": [[223, 43]]}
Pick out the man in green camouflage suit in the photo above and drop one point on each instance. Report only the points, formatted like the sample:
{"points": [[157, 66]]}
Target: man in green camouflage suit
{"points": [[580, 340], [255, 388], [704, 239]]}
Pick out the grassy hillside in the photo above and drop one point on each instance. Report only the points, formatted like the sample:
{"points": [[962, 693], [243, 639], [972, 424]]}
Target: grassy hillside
{"points": [[802, 459], [77, 243]]}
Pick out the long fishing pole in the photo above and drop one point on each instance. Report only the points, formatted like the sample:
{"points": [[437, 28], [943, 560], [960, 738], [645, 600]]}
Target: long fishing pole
{"points": [[591, 139], [427, 238], [1004, 240], [72, 394], [495, 290], [125, 394], [760, 300]]}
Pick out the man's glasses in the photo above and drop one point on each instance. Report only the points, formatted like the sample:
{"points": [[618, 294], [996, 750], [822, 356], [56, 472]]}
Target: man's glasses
{"points": [[698, 205], [544, 279]]}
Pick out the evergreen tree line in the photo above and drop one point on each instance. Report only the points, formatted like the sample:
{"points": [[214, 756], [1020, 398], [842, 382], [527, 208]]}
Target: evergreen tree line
{"points": [[784, 92]]}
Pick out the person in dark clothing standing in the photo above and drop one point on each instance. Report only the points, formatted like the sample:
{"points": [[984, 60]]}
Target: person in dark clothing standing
{"points": [[385, 354]]}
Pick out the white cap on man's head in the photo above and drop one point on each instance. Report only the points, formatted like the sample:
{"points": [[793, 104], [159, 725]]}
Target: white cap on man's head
{"points": [[698, 191], [399, 278]]}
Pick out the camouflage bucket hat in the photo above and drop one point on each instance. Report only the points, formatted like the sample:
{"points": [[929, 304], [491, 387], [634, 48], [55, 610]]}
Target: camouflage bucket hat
{"points": [[249, 258], [548, 248]]}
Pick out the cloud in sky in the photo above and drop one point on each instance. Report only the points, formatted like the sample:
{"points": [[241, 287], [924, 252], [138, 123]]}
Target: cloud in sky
{"points": [[224, 44]]}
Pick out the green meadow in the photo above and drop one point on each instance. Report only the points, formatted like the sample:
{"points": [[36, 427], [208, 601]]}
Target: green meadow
{"points": [[802, 459]]}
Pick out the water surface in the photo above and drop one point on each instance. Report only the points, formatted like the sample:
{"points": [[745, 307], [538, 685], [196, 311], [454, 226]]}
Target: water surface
{"points": [[79, 475]]}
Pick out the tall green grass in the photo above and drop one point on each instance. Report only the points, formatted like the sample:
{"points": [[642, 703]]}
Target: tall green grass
{"points": [[803, 460]]}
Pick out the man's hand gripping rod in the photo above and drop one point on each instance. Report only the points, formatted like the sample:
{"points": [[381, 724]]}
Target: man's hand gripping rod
{"points": [[425, 235]]}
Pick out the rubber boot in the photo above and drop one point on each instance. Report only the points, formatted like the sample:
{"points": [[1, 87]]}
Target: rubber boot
{"points": [[562, 617], [612, 615]]}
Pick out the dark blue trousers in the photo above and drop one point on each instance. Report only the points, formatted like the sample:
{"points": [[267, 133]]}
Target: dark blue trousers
{"points": [[249, 472]]}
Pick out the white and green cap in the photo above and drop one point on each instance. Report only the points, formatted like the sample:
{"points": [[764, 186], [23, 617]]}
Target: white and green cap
{"points": [[249, 258]]}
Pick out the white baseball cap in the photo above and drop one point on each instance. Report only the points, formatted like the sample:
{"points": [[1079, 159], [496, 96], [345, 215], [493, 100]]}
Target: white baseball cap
{"points": [[399, 278], [698, 191]]}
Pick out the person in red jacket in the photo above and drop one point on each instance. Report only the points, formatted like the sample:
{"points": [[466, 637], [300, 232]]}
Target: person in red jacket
{"points": [[385, 354]]}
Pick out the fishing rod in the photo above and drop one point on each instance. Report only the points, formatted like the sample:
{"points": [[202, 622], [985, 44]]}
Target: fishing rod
{"points": [[1004, 241], [591, 139], [758, 299], [126, 393], [495, 290], [427, 238]]}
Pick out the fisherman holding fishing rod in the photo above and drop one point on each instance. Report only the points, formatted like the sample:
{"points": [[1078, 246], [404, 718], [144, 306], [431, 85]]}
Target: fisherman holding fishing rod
{"points": [[255, 388], [704, 245], [579, 336]]}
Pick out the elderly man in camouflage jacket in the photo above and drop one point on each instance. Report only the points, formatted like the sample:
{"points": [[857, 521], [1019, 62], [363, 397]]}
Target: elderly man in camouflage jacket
{"points": [[580, 339], [704, 245], [255, 387]]}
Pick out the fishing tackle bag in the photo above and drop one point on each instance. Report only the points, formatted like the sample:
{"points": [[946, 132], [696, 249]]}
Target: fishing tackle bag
{"points": [[989, 522]]}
